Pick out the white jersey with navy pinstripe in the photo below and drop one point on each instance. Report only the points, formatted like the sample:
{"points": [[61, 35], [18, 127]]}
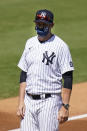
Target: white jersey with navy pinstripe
{"points": [[45, 63]]}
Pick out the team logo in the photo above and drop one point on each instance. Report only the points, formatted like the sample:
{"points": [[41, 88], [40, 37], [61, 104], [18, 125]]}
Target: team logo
{"points": [[43, 14], [48, 59], [71, 64]]}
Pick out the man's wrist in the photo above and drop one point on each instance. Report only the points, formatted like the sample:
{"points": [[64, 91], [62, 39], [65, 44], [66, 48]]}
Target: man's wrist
{"points": [[66, 106]]}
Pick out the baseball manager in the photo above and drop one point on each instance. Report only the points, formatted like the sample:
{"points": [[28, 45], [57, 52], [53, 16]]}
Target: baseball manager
{"points": [[45, 62]]}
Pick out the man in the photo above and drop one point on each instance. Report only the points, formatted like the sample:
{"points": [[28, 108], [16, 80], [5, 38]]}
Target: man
{"points": [[45, 61]]}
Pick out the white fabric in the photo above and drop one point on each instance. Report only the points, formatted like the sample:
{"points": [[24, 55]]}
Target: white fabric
{"points": [[41, 115], [43, 78]]}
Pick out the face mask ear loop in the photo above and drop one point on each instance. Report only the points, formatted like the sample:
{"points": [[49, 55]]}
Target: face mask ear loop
{"points": [[35, 27]]}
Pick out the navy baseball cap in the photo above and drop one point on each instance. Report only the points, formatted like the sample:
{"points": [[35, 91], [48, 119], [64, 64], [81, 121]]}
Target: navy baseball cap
{"points": [[44, 16]]}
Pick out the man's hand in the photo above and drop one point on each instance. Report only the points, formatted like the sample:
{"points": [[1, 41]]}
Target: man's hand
{"points": [[63, 115], [21, 105], [21, 110]]}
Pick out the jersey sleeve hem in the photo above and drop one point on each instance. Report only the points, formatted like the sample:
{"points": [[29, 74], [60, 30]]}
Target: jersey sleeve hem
{"points": [[67, 70], [21, 68]]}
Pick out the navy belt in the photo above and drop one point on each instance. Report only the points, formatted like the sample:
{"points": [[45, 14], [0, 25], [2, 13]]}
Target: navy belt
{"points": [[37, 97]]}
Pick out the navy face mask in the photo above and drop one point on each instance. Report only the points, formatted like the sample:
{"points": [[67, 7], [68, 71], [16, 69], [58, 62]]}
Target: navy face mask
{"points": [[42, 31]]}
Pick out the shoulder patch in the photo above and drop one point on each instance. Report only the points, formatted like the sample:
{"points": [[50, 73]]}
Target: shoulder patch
{"points": [[71, 64]]}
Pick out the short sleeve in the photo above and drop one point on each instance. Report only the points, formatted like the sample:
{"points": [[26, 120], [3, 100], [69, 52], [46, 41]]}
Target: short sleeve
{"points": [[65, 60], [22, 62]]}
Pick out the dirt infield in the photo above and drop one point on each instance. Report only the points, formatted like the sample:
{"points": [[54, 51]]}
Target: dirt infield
{"points": [[78, 102]]}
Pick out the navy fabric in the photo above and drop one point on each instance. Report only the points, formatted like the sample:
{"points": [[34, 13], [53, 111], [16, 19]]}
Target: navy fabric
{"points": [[68, 79], [23, 76], [45, 16]]}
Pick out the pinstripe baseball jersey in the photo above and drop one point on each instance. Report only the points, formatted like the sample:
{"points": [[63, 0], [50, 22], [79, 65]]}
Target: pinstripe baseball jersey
{"points": [[45, 63]]}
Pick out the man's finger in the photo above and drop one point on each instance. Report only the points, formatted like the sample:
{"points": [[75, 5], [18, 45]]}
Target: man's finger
{"points": [[66, 118], [24, 111], [63, 119], [18, 113], [20, 110]]}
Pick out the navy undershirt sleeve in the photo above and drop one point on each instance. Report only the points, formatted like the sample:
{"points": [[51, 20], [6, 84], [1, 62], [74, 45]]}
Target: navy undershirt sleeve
{"points": [[68, 79], [23, 76]]}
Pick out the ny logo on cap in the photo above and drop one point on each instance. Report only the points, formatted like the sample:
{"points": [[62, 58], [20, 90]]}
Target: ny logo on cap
{"points": [[43, 14]]}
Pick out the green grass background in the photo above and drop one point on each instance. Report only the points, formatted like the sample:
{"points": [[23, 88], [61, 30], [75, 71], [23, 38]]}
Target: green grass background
{"points": [[16, 26]]}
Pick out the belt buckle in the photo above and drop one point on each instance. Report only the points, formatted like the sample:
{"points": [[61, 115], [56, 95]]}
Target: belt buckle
{"points": [[42, 96]]}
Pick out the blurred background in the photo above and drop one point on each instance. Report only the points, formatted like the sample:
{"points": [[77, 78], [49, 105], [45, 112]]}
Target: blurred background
{"points": [[16, 26]]}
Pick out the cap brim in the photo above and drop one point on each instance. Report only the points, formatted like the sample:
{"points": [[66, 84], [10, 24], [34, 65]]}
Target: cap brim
{"points": [[44, 21]]}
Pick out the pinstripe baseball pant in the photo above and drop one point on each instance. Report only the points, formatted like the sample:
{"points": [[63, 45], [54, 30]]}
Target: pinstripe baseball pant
{"points": [[41, 115]]}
